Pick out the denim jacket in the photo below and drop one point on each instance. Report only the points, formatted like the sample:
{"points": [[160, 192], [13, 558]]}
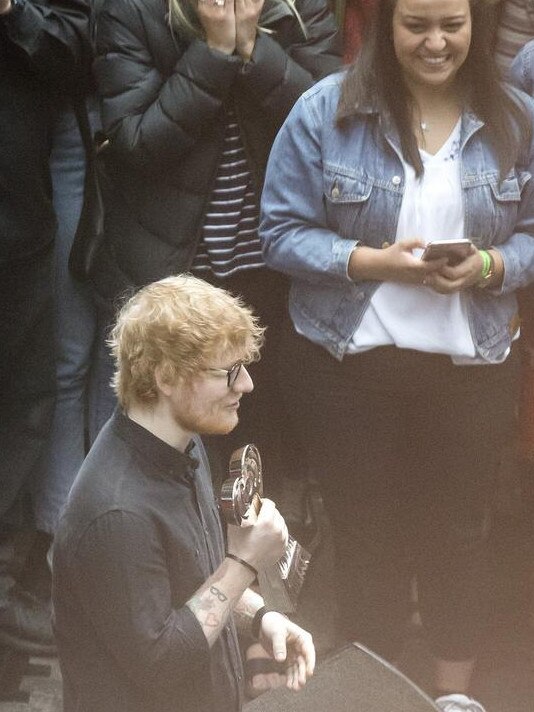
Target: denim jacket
{"points": [[522, 68], [328, 190]]}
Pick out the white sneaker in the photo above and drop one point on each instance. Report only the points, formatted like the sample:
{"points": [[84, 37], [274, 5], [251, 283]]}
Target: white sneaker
{"points": [[459, 703]]}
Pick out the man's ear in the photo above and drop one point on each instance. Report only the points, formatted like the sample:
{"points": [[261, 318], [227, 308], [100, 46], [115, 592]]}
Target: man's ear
{"points": [[164, 382]]}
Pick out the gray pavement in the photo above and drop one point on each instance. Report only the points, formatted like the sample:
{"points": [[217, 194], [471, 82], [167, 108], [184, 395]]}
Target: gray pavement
{"points": [[44, 690]]}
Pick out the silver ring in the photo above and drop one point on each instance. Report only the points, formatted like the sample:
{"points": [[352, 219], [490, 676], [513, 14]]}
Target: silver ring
{"points": [[219, 3]]}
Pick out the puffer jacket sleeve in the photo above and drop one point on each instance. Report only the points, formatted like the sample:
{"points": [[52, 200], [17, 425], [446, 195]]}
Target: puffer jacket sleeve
{"points": [[277, 77], [54, 38], [154, 119]]}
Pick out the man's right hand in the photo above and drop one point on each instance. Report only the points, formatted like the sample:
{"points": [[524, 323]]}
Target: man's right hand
{"points": [[263, 543]]}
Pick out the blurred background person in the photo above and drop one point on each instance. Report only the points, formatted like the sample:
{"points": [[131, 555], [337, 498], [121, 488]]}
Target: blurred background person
{"points": [[44, 58], [514, 28], [74, 314]]}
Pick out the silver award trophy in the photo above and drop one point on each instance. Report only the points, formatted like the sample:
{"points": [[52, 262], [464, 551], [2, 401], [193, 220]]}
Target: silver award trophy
{"points": [[240, 500]]}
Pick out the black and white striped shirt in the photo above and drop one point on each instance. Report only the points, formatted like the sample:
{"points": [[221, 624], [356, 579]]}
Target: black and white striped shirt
{"points": [[229, 241]]}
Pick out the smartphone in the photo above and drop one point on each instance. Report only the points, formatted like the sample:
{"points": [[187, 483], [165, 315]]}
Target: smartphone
{"points": [[455, 250]]}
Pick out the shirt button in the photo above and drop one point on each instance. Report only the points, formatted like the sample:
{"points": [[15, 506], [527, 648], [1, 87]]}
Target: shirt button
{"points": [[396, 180]]}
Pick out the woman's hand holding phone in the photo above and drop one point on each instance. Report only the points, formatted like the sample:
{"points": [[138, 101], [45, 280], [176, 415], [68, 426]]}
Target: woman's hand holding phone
{"points": [[395, 263], [454, 278]]}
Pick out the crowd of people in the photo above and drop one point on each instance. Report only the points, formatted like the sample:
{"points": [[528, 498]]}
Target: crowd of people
{"points": [[258, 194]]}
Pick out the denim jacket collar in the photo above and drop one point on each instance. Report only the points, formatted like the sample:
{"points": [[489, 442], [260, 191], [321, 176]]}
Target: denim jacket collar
{"points": [[471, 123]]}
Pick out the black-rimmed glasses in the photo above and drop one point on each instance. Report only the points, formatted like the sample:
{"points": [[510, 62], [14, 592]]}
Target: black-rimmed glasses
{"points": [[232, 373]]}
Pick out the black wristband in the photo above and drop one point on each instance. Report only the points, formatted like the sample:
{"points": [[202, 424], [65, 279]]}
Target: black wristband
{"points": [[256, 622], [243, 563]]}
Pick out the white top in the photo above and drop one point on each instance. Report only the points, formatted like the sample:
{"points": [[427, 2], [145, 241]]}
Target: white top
{"points": [[412, 316]]}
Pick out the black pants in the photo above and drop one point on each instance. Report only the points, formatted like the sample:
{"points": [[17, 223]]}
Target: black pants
{"points": [[27, 379], [406, 446]]}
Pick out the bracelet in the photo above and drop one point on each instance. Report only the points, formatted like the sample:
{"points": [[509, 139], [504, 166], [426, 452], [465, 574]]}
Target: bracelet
{"points": [[488, 268], [243, 563], [486, 263], [256, 622]]}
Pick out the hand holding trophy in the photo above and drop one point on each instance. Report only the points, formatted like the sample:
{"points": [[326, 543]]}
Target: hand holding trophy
{"points": [[241, 500]]}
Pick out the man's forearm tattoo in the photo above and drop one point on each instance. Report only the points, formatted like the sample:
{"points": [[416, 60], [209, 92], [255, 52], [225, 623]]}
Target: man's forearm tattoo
{"points": [[205, 606], [218, 594], [212, 605], [214, 601]]}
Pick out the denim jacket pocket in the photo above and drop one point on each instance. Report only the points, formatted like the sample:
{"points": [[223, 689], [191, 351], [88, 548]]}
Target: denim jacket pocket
{"points": [[346, 196], [500, 200]]}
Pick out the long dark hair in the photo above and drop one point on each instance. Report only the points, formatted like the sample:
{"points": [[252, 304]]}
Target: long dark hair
{"points": [[376, 76]]}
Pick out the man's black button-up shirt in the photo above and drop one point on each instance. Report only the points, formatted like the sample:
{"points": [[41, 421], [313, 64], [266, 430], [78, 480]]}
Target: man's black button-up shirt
{"points": [[140, 533]]}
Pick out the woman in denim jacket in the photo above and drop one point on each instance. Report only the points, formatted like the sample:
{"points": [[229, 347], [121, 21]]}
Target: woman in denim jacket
{"points": [[400, 372]]}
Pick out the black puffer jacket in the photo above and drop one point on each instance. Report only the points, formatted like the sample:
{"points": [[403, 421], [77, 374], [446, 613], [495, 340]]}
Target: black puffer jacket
{"points": [[162, 109]]}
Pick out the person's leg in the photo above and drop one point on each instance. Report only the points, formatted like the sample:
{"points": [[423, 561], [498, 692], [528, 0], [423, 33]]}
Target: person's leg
{"points": [[75, 329], [27, 378], [27, 391], [352, 433], [464, 420]]}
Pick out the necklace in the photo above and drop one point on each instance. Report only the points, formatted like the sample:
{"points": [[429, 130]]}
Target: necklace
{"points": [[424, 126]]}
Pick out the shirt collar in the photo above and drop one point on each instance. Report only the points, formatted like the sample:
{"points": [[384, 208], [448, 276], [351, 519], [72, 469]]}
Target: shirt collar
{"points": [[165, 459]]}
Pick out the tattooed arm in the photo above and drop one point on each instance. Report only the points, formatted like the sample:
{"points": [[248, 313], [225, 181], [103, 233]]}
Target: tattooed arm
{"points": [[225, 591], [281, 639]]}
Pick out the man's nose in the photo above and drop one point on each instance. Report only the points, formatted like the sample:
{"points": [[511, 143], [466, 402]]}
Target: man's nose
{"points": [[243, 383]]}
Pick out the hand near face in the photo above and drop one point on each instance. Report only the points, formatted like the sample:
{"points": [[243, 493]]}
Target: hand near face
{"points": [[230, 25], [247, 14], [218, 20], [5, 6]]}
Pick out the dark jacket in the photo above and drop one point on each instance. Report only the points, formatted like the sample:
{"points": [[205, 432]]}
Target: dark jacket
{"points": [[162, 109], [139, 535], [44, 53]]}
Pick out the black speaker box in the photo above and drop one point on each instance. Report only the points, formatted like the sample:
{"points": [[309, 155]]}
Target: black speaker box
{"points": [[353, 679]]}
